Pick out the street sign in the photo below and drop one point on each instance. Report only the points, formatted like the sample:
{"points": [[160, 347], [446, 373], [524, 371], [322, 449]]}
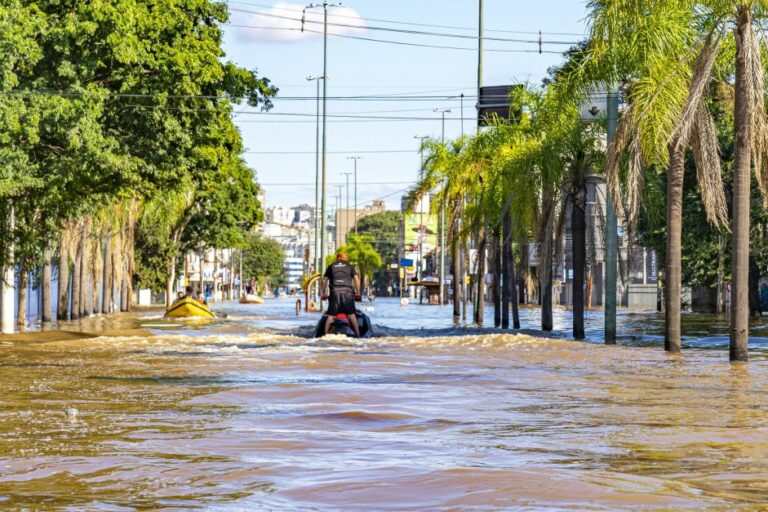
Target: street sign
{"points": [[404, 262]]}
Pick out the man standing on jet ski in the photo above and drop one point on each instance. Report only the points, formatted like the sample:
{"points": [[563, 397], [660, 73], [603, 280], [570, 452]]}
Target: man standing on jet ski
{"points": [[345, 290]]}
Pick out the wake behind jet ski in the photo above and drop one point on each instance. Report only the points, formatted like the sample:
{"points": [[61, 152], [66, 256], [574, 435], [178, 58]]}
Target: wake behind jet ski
{"points": [[342, 326]]}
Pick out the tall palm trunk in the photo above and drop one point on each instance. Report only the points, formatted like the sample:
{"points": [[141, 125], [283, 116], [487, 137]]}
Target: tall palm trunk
{"points": [[63, 308], [546, 291], [673, 271], [480, 298], [496, 282], [579, 248], [456, 263], [464, 288], [457, 282], [741, 195], [507, 272], [21, 320], [46, 287]]}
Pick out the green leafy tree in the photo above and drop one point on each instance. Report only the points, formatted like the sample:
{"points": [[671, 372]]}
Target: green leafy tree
{"points": [[383, 228], [263, 260]]}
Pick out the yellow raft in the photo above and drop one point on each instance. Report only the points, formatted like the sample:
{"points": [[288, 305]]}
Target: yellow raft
{"points": [[189, 307]]}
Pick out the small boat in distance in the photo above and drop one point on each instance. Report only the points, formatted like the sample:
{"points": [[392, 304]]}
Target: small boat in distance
{"points": [[251, 299], [187, 307]]}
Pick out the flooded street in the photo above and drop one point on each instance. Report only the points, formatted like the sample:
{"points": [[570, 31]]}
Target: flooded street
{"points": [[246, 414]]}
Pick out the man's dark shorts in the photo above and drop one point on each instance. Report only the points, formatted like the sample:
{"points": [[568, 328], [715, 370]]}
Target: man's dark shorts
{"points": [[342, 301]]}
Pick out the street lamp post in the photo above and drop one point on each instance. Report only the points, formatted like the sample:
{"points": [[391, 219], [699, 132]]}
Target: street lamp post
{"points": [[347, 175], [442, 111], [355, 158], [318, 233], [338, 215]]}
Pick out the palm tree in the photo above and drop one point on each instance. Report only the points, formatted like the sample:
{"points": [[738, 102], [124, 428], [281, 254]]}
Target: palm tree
{"points": [[664, 51], [447, 169], [362, 255]]}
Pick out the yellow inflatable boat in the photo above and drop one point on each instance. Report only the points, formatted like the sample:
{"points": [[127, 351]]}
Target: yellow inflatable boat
{"points": [[189, 307]]}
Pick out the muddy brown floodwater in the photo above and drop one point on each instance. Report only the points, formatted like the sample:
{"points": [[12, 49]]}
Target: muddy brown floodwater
{"points": [[218, 419]]}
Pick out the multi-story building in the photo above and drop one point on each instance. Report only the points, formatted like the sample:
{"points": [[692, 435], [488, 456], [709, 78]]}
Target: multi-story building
{"points": [[345, 219]]}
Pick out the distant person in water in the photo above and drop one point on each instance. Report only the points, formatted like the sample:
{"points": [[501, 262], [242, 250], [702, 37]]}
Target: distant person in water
{"points": [[344, 291]]}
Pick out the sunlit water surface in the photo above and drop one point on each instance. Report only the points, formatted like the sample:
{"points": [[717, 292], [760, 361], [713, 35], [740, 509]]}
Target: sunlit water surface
{"points": [[247, 413]]}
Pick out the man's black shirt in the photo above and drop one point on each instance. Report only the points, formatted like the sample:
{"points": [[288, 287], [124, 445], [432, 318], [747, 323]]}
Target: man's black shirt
{"points": [[341, 276]]}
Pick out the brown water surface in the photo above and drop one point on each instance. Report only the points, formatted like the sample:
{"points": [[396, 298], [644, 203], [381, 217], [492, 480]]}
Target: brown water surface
{"points": [[228, 420]]}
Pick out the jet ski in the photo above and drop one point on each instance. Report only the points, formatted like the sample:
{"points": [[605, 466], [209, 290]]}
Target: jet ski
{"points": [[341, 325]]}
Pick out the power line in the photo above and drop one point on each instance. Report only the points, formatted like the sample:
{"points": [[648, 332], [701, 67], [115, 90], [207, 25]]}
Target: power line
{"points": [[389, 41], [414, 24], [312, 184], [406, 31], [331, 152]]}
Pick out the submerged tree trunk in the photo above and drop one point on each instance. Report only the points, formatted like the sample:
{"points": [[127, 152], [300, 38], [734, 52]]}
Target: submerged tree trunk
{"points": [[96, 275], [464, 288], [21, 320], [496, 283], [480, 298], [507, 272], [85, 275], [62, 312], [170, 275], [673, 263], [76, 279], [106, 299], [46, 312], [579, 247], [131, 256], [739, 335], [546, 295], [456, 263]]}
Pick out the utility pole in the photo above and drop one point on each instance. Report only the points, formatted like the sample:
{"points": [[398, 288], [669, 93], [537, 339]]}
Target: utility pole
{"points": [[318, 234], [355, 158], [8, 285], [442, 215], [346, 233], [325, 6], [338, 216], [479, 57], [611, 238]]}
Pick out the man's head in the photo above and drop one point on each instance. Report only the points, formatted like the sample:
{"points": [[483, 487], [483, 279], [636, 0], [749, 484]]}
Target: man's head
{"points": [[341, 256], [189, 289]]}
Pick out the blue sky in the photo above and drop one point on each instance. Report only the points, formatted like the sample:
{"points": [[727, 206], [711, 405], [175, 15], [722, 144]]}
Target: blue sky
{"points": [[363, 68]]}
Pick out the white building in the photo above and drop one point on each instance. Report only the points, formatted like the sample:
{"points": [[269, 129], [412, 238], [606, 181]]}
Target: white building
{"points": [[294, 272]]}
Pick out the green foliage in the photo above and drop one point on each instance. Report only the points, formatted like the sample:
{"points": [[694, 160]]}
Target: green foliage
{"points": [[263, 260], [109, 99], [383, 229]]}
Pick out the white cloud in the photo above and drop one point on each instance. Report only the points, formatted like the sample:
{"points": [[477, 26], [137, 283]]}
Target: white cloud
{"points": [[282, 23]]}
